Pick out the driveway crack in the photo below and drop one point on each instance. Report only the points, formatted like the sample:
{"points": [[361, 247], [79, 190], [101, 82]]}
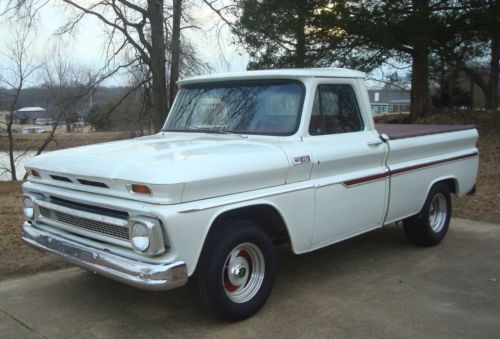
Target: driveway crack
{"points": [[22, 324]]}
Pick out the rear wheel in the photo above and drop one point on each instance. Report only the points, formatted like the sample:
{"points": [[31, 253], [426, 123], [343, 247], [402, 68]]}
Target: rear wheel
{"points": [[235, 273], [430, 225]]}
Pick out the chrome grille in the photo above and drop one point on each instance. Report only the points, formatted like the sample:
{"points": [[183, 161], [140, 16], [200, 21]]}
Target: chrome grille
{"points": [[87, 224]]}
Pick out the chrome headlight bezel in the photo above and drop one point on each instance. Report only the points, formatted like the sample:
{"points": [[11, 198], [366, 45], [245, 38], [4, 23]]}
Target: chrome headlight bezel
{"points": [[30, 207], [154, 232]]}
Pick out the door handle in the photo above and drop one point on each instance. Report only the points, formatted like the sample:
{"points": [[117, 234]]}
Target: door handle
{"points": [[375, 143]]}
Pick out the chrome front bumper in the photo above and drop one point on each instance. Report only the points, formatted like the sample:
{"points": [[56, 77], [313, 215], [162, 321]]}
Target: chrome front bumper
{"points": [[154, 277]]}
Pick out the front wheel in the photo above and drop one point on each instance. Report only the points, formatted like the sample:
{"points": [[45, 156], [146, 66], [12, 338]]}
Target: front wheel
{"points": [[235, 273], [429, 227]]}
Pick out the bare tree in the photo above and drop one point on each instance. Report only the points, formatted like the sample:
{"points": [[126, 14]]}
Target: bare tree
{"points": [[21, 8], [67, 84], [225, 28], [152, 30], [21, 66], [176, 48], [131, 24], [131, 112]]}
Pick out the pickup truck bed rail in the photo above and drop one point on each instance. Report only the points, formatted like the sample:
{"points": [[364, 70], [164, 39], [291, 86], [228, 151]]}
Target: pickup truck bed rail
{"points": [[401, 131]]}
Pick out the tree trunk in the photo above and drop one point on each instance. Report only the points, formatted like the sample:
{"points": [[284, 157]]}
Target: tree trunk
{"points": [[12, 159], [420, 103], [300, 48], [157, 55], [11, 150], [68, 125], [176, 49], [492, 91]]}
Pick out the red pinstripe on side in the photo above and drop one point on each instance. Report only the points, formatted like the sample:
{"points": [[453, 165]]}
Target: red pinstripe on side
{"points": [[432, 163], [385, 174], [368, 178]]}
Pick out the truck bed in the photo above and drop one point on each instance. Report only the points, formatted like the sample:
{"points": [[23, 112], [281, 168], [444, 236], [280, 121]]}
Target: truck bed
{"points": [[401, 131]]}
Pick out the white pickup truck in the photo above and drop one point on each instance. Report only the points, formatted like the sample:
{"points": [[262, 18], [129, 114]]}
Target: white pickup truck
{"points": [[245, 161]]}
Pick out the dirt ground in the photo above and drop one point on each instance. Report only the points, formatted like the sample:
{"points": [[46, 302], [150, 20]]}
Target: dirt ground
{"points": [[18, 259], [61, 140]]}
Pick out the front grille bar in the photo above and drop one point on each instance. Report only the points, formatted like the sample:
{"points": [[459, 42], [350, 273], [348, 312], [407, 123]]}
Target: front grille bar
{"points": [[83, 214], [91, 225], [89, 208]]}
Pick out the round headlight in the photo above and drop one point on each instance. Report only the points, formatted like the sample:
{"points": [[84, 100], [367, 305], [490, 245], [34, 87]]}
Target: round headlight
{"points": [[28, 208], [139, 236]]}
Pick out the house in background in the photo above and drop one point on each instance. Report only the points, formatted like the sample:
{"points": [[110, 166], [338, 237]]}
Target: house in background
{"points": [[389, 100], [29, 115]]}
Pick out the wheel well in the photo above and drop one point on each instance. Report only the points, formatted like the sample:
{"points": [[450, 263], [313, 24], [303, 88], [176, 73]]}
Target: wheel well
{"points": [[266, 216], [452, 185]]}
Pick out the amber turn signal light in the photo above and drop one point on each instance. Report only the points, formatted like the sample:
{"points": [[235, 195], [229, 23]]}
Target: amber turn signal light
{"points": [[35, 174], [141, 189]]}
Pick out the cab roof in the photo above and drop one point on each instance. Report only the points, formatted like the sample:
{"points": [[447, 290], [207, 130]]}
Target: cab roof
{"points": [[296, 73]]}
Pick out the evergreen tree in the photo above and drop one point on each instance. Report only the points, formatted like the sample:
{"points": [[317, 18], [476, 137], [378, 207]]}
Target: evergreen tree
{"points": [[409, 30], [476, 48], [281, 34], [365, 34]]}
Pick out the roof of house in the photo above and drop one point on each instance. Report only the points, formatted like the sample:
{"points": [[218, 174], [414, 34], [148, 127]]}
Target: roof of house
{"points": [[31, 109], [276, 74], [393, 96], [31, 113]]}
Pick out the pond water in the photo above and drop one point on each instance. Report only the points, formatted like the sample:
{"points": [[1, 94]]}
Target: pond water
{"points": [[4, 163]]}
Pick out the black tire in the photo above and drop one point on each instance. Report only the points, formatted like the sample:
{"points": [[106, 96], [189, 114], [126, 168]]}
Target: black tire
{"points": [[430, 225], [243, 246]]}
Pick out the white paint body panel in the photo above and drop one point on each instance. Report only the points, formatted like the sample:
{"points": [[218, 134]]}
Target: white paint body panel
{"points": [[409, 190], [196, 177], [178, 166]]}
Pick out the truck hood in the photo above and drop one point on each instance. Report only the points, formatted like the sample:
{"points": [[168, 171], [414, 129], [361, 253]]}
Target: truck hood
{"points": [[177, 168]]}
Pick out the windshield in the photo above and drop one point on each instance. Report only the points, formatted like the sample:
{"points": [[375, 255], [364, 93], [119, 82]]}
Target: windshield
{"points": [[271, 108]]}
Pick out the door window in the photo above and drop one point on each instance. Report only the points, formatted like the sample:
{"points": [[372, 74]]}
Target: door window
{"points": [[335, 110]]}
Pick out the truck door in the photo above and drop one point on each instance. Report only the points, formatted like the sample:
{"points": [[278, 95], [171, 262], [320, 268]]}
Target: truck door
{"points": [[349, 173]]}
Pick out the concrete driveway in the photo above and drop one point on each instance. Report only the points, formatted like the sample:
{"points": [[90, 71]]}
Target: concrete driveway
{"points": [[376, 285]]}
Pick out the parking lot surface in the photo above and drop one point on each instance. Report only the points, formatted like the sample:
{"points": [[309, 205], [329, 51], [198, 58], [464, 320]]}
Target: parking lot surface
{"points": [[375, 285]]}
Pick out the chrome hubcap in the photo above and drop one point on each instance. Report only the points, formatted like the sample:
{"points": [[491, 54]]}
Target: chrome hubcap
{"points": [[437, 212], [243, 272]]}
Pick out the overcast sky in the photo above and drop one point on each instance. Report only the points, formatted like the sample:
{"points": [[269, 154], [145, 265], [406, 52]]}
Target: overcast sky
{"points": [[86, 46]]}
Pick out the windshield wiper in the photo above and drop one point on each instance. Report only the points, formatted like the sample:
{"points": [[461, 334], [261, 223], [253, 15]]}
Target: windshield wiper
{"points": [[207, 130], [223, 131]]}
